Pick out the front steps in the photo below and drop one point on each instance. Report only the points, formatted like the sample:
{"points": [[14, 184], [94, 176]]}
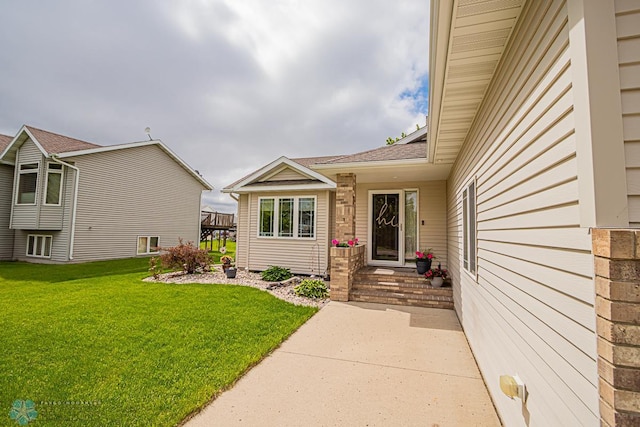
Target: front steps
{"points": [[399, 286]]}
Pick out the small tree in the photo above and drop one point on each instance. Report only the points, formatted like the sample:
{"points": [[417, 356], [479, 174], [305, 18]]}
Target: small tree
{"points": [[186, 257]]}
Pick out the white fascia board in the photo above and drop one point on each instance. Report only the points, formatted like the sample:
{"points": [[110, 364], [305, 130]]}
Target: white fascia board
{"points": [[136, 145], [370, 164], [279, 188], [440, 27], [239, 187], [416, 135], [15, 140]]}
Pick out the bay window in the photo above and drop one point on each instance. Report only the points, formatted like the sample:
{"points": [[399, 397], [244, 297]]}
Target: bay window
{"points": [[292, 217], [53, 191], [27, 184]]}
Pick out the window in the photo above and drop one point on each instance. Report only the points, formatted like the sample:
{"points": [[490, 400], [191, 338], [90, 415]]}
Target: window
{"points": [[27, 184], [39, 245], [306, 217], [469, 228], [292, 217], [53, 191], [285, 219], [266, 217], [148, 245]]}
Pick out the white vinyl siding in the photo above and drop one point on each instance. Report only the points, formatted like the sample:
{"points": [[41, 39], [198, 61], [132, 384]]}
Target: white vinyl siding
{"points": [[6, 191], [286, 174], [242, 233], [301, 255], [531, 309], [628, 32], [432, 209]]}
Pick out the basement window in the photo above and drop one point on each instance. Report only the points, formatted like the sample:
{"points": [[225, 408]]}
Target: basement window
{"points": [[39, 245], [148, 245]]}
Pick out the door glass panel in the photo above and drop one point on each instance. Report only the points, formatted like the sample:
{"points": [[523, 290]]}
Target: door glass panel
{"points": [[386, 227], [410, 224]]}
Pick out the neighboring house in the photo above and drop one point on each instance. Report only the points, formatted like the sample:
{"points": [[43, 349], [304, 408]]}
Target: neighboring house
{"points": [[69, 201], [6, 190], [533, 157]]}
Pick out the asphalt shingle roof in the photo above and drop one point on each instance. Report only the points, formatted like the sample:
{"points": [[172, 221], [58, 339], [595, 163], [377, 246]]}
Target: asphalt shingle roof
{"points": [[4, 141], [414, 150], [54, 143]]}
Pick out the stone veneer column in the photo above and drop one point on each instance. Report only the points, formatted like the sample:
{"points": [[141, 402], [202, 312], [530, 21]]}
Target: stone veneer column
{"points": [[345, 207], [617, 268], [344, 264]]}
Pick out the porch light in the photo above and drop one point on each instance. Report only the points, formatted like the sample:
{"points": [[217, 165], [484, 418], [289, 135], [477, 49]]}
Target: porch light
{"points": [[512, 387]]}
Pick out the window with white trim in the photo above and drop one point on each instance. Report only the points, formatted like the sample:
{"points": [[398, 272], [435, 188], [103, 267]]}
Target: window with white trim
{"points": [[148, 245], [53, 190], [27, 184], [469, 242], [39, 245], [287, 217]]}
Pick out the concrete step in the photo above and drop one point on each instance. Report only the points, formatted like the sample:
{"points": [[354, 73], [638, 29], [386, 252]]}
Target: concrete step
{"points": [[390, 297]]}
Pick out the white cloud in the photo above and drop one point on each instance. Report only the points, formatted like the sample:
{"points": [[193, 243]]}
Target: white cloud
{"points": [[228, 85]]}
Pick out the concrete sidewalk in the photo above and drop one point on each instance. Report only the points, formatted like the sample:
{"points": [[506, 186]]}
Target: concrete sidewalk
{"points": [[359, 364]]}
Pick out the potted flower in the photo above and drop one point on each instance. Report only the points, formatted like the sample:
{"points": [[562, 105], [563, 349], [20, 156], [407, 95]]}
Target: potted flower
{"points": [[347, 244], [437, 276], [226, 261], [423, 260]]}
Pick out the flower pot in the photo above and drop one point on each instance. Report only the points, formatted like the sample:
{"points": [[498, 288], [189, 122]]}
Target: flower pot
{"points": [[436, 282], [231, 273], [423, 265]]}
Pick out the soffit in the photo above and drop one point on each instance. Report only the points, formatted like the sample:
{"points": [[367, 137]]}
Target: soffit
{"points": [[477, 37]]}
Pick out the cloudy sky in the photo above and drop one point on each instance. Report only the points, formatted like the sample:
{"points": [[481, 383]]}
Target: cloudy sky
{"points": [[229, 85]]}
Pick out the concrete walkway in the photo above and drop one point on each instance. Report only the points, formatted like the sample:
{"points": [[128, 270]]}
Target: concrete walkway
{"points": [[359, 364]]}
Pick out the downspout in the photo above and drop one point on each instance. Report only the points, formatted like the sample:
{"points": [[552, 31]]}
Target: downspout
{"points": [[75, 201], [234, 197]]}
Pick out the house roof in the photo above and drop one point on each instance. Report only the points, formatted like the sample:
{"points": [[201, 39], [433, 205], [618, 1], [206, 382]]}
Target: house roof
{"points": [[53, 144], [413, 150], [5, 140], [309, 179]]}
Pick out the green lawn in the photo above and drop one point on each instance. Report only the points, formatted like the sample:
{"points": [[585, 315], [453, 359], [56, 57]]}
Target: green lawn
{"points": [[91, 344], [216, 254]]}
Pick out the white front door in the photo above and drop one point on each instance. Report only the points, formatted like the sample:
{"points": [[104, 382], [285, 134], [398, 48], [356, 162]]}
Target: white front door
{"points": [[393, 225]]}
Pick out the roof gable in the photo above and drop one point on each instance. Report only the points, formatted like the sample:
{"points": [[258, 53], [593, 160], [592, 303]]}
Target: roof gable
{"points": [[279, 175]]}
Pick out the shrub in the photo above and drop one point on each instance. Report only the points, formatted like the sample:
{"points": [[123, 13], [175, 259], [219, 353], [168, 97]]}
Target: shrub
{"points": [[185, 257], [276, 274], [155, 267], [311, 288]]}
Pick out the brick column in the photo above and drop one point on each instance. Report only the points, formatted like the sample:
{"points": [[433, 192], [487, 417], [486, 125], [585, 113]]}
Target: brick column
{"points": [[617, 268], [345, 207], [344, 264]]}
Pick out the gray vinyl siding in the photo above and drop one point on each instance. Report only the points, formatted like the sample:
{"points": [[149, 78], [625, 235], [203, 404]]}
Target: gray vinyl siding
{"points": [[6, 190], [530, 310], [628, 32], [295, 254], [133, 192], [28, 216], [432, 209]]}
